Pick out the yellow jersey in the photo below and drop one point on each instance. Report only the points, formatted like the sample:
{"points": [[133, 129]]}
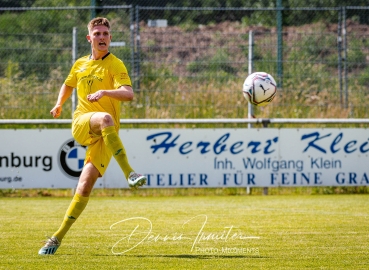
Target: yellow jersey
{"points": [[88, 76]]}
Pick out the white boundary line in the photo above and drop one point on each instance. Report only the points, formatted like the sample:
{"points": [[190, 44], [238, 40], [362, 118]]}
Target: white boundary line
{"points": [[264, 121]]}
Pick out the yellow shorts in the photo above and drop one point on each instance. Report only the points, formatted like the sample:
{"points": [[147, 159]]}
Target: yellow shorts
{"points": [[97, 153]]}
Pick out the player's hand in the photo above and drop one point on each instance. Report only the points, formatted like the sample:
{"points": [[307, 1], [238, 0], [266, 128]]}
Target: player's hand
{"points": [[95, 96], [56, 111]]}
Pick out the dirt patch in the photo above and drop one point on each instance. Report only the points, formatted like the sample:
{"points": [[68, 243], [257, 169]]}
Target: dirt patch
{"points": [[177, 47]]}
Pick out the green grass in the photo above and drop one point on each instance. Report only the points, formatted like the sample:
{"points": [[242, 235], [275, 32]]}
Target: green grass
{"points": [[295, 232]]}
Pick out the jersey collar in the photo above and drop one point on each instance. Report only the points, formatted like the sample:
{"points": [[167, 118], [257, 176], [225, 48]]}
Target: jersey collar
{"points": [[101, 58]]}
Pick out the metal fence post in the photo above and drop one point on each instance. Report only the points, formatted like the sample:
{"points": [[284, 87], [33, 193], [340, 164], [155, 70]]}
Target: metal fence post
{"points": [[280, 45], [93, 10], [339, 49], [344, 32], [138, 44], [132, 33]]}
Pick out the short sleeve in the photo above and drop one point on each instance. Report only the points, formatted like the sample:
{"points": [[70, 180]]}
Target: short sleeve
{"points": [[71, 80], [120, 74]]}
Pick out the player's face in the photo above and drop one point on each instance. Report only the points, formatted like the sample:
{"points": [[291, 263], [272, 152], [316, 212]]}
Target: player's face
{"points": [[100, 38]]}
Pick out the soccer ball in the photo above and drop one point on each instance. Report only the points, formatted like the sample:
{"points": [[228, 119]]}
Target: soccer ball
{"points": [[259, 88]]}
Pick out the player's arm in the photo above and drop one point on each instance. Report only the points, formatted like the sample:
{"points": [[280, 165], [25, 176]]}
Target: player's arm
{"points": [[64, 93], [123, 93]]}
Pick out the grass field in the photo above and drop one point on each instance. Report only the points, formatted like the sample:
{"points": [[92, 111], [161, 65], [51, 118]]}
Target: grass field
{"points": [[191, 232]]}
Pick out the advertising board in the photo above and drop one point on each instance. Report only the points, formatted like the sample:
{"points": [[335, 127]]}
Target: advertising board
{"points": [[182, 158]]}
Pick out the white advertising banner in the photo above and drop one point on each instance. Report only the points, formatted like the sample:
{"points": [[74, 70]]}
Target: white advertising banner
{"points": [[175, 158]]}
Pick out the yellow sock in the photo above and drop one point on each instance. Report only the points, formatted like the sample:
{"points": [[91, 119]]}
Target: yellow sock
{"points": [[113, 142], [75, 208]]}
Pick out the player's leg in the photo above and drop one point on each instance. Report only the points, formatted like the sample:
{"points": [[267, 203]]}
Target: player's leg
{"points": [[103, 123], [86, 182]]}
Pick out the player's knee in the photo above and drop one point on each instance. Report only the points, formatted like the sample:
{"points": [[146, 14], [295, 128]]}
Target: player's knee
{"points": [[107, 120]]}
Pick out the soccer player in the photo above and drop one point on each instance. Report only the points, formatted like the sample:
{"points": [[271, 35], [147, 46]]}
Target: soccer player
{"points": [[102, 82]]}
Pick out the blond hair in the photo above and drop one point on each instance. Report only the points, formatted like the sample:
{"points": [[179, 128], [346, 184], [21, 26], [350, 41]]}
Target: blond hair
{"points": [[98, 21]]}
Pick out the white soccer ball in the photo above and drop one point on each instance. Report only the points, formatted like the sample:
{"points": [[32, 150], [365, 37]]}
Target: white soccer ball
{"points": [[259, 88]]}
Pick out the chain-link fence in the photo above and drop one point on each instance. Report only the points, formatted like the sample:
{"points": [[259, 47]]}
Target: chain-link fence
{"points": [[190, 62]]}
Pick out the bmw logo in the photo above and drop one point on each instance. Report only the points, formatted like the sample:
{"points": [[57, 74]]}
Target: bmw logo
{"points": [[71, 158]]}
